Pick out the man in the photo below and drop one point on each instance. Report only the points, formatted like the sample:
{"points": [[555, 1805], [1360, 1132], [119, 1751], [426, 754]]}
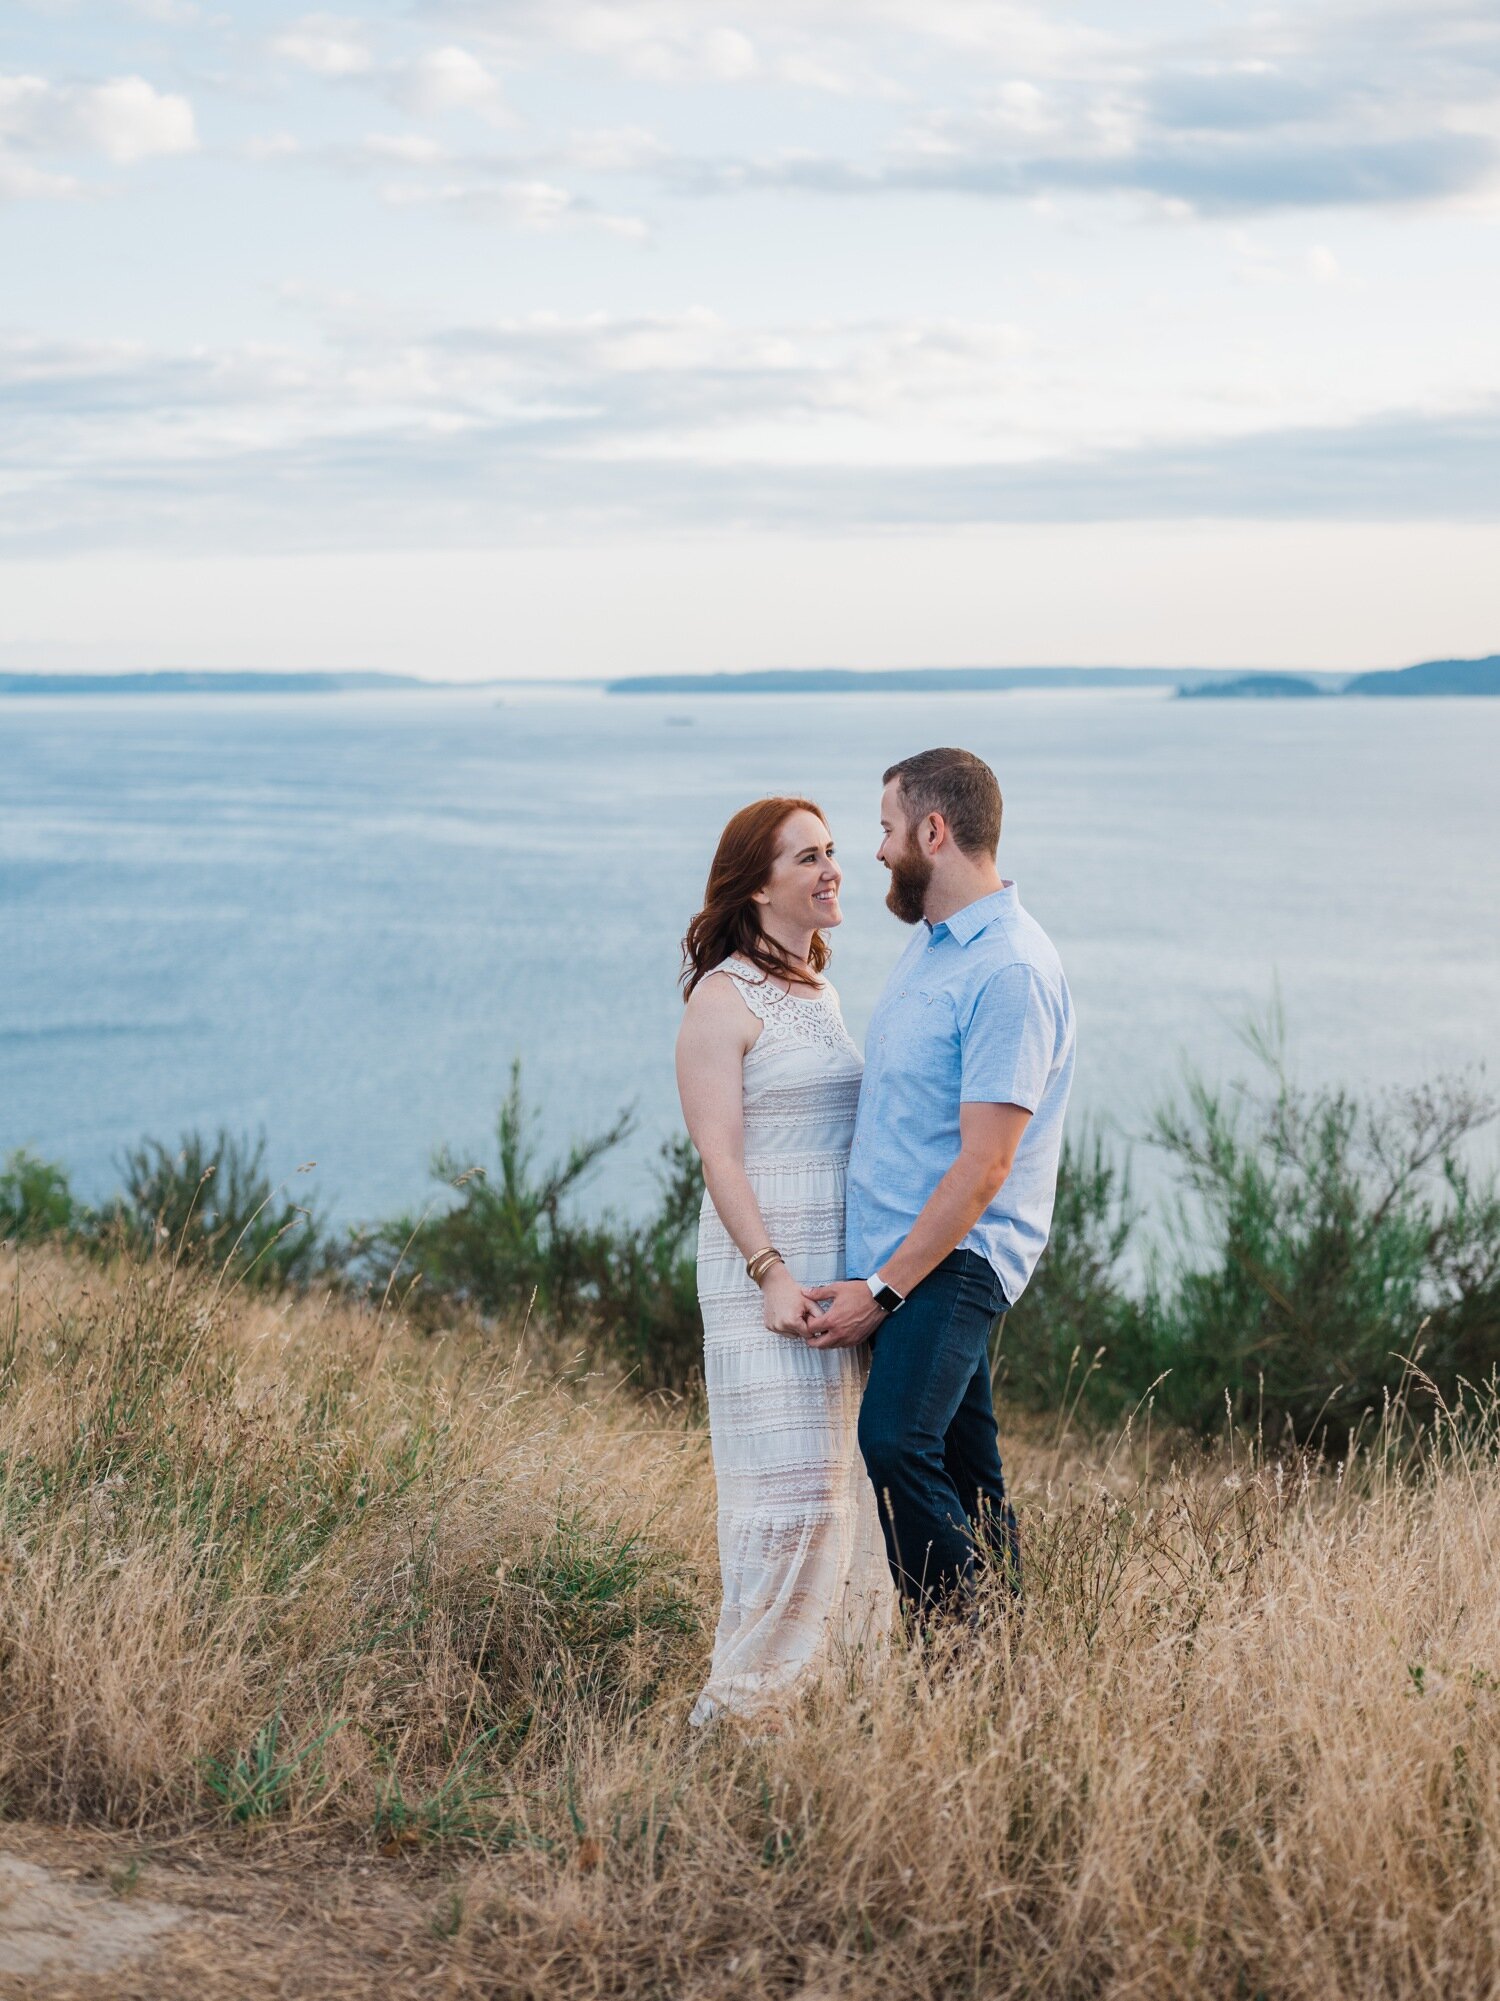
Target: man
{"points": [[952, 1176]]}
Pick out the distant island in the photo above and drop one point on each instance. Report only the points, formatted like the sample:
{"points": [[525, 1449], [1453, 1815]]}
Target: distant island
{"points": [[172, 681], [1255, 687], [1429, 677], [1433, 677], [909, 680]]}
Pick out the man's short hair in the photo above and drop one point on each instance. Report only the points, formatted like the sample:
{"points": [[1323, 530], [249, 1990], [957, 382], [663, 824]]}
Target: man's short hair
{"points": [[958, 785]]}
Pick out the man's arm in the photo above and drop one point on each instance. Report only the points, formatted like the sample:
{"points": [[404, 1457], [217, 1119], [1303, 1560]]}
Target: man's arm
{"points": [[988, 1138]]}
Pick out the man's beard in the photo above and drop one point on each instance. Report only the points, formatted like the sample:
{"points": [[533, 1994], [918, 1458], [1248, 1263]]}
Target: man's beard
{"points": [[911, 873]]}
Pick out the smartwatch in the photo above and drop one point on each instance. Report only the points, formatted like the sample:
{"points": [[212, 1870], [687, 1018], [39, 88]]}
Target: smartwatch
{"points": [[885, 1296]]}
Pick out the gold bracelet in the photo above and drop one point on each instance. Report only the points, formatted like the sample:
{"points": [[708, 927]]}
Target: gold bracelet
{"points": [[761, 1263]]}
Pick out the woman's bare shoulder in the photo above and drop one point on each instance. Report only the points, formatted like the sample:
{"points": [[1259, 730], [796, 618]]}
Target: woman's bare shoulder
{"points": [[716, 1006]]}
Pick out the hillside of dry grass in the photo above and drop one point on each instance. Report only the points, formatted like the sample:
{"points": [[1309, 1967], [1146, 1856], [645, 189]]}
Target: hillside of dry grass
{"points": [[292, 1593]]}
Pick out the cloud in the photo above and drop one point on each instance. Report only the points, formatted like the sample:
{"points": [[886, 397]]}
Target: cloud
{"points": [[1354, 104], [123, 120], [414, 170], [1257, 263], [1305, 123], [835, 76], [128, 120], [709, 55], [327, 44], [429, 84], [618, 149], [19, 181], [523, 202], [175, 13], [657, 41], [374, 437], [1253, 95], [805, 47], [407, 149], [445, 79], [1341, 103], [694, 41], [1224, 177]]}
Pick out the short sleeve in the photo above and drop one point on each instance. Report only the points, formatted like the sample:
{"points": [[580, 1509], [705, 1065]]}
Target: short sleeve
{"points": [[1009, 1041]]}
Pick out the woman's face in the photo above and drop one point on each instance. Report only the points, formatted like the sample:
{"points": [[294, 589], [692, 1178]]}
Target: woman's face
{"points": [[803, 891]]}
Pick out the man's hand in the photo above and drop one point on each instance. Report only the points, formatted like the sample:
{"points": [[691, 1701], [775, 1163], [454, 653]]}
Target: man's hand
{"points": [[852, 1314]]}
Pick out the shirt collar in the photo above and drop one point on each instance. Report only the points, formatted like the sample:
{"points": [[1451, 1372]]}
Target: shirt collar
{"points": [[965, 925]]}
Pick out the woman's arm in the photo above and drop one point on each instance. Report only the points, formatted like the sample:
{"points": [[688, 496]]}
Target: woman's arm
{"points": [[717, 1033]]}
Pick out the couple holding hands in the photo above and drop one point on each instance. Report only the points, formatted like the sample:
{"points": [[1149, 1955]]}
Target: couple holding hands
{"points": [[866, 1224]]}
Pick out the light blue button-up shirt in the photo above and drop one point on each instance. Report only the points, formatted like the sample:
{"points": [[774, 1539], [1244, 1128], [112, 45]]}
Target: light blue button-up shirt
{"points": [[976, 1012]]}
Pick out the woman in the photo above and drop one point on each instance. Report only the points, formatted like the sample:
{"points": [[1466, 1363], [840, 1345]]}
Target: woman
{"points": [[769, 1081]]}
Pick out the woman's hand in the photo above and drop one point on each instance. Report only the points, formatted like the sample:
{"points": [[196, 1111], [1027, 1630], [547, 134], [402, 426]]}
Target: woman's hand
{"points": [[786, 1308]]}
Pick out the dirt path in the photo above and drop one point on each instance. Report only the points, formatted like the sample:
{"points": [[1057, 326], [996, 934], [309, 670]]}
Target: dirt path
{"points": [[88, 1916]]}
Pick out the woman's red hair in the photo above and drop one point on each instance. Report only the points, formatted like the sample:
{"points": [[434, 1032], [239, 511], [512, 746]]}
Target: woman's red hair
{"points": [[729, 923]]}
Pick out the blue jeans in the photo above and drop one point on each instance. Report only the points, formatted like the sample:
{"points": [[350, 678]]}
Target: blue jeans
{"points": [[927, 1432]]}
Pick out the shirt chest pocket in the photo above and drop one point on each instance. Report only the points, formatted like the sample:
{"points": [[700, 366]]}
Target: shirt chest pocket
{"points": [[922, 1037]]}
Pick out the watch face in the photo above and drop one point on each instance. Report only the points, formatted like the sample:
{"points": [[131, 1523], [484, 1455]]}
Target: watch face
{"points": [[888, 1299]]}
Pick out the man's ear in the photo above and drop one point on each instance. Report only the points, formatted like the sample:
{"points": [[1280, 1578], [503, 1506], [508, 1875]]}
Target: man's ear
{"points": [[934, 831]]}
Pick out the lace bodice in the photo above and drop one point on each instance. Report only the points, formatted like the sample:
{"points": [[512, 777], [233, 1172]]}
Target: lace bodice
{"points": [[801, 1073]]}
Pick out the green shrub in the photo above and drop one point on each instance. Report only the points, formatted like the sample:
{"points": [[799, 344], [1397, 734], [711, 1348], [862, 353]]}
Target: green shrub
{"points": [[642, 1279], [211, 1202], [1335, 1241], [1076, 1332], [1317, 1247], [511, 1244], [36, 1200]]}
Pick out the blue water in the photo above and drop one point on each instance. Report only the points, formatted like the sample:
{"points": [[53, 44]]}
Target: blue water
{"points": [[337, 919]]}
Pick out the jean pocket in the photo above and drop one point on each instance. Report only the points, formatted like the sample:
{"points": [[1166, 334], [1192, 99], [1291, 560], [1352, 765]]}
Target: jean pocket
{"points": [[981, 1284]]}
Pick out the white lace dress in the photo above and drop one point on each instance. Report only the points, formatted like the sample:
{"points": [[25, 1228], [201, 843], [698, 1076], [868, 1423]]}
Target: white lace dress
{"points": [[800, 1549]]}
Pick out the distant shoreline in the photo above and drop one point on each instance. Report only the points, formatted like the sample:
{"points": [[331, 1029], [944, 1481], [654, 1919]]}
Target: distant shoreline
{"points": [[917, 680], [175, 682], [1428, 677]]}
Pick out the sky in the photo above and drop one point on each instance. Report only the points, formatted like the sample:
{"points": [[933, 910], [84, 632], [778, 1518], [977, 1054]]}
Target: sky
{"points": [[543, 337]]}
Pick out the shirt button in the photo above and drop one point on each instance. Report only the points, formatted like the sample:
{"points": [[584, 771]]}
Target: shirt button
{"points": [[882, 1038]]}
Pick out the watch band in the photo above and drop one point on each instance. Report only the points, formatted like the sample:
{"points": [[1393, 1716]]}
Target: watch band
{"points": [[885, 1296]]}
